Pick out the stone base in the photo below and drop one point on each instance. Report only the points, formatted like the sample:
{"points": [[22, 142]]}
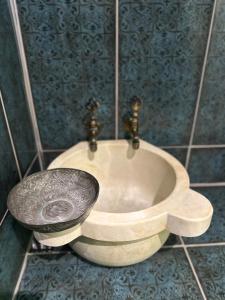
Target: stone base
{"points": [[118, 254]]}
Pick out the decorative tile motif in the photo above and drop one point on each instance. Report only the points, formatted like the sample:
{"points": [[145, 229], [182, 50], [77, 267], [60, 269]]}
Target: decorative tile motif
{"points": [[210, 127], [209, 263], [11, 84], [162, 50], [166, 275], [207, 165], [70, 47], [216, 231]]}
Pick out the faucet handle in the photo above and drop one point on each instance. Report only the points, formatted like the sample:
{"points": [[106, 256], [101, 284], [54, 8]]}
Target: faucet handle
{"points": [[136, 104], [92, 105]]}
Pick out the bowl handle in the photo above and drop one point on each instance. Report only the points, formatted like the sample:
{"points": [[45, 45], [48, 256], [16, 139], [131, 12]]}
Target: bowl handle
{"points": [[190, 216], [59, 238]]}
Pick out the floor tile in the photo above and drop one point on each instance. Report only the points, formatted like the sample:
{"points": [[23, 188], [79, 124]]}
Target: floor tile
{"points": [[209, 263], [164, 276]]}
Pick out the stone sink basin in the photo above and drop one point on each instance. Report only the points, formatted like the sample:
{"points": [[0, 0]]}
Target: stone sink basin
{"points": [[144, 196]]}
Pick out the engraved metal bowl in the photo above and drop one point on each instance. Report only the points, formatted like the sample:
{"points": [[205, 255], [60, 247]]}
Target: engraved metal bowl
{"points": [[53, 200]]}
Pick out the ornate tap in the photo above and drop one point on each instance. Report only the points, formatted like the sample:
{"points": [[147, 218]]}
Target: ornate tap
{"points": [[92, 125], [132, 123]]}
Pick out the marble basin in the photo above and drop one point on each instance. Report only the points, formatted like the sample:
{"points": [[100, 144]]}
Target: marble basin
{"points": [[144, 196]]}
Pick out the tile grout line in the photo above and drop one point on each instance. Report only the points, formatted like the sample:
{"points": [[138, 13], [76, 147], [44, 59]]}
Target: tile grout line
{"points": [[49, 252], [22, 270], [201, 85], [208, 184], [162, 147], [4, 217], [192, 268], [116, 69], [10, 137], [26, 78], [31, 165]]}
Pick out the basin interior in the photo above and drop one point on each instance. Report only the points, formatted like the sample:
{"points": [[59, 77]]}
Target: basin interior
{"points": [[129, 180]]}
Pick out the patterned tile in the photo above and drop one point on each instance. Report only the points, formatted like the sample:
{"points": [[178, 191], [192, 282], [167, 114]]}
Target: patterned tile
{"points": [[166, 275], [216, 231], [209, 263], [210, 124], [162, 49], [13, 92], [70, 47], [13, 240], [207, 165]]}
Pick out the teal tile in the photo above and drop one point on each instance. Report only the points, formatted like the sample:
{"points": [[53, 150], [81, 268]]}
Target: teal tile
{"points": [[207, 165], [70, 53], [13, 91], [8, 172], [13, 240], [49, 157], [209, 262], [166, 275], [161, 56], [178, 153], [210, 126]]}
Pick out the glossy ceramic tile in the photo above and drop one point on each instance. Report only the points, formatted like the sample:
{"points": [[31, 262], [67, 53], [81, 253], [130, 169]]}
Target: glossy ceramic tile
{"points": [[11, 84], [209, 263], [207, 165], [178, 153], [8, 171], [161, 56], [70, 51], [210, 125], [13, 240], [49, 157], [166, 275], [216, 231]]}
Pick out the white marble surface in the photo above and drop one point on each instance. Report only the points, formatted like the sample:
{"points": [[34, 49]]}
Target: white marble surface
{"points": [[142, 193]]}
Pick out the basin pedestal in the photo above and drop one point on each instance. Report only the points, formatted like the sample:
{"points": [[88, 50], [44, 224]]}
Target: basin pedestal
{"points": [[117, 254]]}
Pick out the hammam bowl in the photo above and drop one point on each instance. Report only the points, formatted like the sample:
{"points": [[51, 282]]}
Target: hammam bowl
{"points": [[144, 196], [53, 200]]}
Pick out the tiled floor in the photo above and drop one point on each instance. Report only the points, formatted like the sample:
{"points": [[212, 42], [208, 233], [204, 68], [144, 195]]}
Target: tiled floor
{"points": [[167, 275]]}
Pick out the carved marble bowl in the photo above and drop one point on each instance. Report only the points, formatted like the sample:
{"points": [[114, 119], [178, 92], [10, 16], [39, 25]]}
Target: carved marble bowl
{"points": [[53, 200], [144, 195]]}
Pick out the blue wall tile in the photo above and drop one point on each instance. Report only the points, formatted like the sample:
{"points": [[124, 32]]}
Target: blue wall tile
{"points": [[210, 127], [166, 275], [49, 157], [8, 171], [209, 263], [11, 84], [216, 231], [179, 153], [207, 165], [70, 51], [162, 50]]}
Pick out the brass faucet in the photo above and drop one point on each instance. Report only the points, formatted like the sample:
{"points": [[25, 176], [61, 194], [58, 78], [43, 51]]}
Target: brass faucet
{"points": [[92, 125], [132, 123]]}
